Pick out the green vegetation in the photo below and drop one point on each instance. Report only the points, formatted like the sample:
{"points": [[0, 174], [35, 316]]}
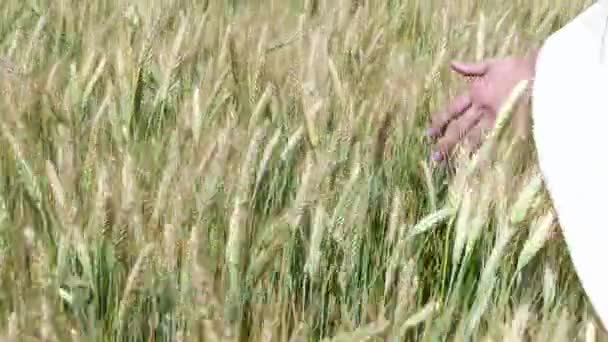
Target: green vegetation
{"points": [[229, 170]]}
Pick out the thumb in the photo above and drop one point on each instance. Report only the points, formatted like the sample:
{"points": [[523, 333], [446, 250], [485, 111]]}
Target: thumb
{"points": [[470, 69]]}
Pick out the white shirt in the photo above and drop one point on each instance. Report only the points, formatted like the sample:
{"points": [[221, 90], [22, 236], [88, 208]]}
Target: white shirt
{"points": [[570, 124]]}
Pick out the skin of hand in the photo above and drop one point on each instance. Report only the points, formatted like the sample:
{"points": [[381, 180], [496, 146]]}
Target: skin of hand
{"points": [[467, 117]]}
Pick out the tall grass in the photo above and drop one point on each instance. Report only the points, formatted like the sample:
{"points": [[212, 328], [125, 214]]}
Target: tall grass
{"points": [[227, 170]]}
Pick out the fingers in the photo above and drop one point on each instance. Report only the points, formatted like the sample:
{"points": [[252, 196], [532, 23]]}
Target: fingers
{"points": [[455, 109], [455, 133], [470, 69]]}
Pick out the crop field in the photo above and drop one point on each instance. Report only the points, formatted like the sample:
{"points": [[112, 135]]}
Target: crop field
{"points": [[234, 170]]}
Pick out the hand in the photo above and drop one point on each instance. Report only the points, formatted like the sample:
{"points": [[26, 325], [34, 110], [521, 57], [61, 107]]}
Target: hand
{"points": [[470, 115]]}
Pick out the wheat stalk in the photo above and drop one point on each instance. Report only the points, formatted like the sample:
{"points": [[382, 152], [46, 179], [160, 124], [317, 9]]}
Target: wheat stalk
{"points": [[238, 230], [540, 233], [133, 281]]}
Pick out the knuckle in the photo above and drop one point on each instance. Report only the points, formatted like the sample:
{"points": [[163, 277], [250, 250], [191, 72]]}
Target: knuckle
{"points": [[447, 142], [461, 133]]}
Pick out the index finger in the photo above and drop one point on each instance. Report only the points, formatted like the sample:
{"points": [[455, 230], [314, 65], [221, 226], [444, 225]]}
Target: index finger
{"points": [[471, 69]]}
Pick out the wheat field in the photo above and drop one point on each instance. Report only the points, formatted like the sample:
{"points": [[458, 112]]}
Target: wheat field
{"points": [[238, 170]]}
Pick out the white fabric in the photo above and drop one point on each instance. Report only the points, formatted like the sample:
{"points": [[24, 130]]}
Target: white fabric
{"points": [[570, 117]]}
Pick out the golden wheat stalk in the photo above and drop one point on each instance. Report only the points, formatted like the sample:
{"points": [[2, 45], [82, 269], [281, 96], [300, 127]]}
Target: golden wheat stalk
{"points": [[171, 168], [461, 229], [317, 235], [259, 108], [204, 298], [238, 233], [94, 79], [524, 203], [47, 332], [488, 280], [422, 315], [363, 333], [540, 233], [13, 328], [519, 324], [501, 120], [292, 143], [133, 281], [266, 156]]}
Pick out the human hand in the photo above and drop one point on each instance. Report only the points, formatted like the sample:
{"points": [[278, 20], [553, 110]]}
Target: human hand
{"points": [[470, 115]]}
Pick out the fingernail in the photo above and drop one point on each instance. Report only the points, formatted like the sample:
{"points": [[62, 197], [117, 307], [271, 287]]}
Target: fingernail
{"points": [[436, 156]]}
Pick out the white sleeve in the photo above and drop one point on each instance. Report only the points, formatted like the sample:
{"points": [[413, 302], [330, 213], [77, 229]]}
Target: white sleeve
{"points": [[570, 118], [589, 28]]}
